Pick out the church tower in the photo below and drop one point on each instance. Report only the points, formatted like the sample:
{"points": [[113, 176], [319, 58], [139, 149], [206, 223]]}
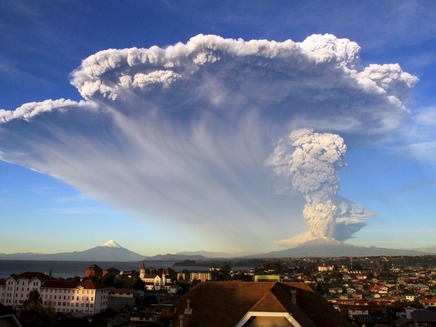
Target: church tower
{"points": [[142, 271]]}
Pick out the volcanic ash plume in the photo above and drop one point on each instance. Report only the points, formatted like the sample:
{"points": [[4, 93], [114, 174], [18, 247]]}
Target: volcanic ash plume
{"points": [[313, 169], [181, 134]]}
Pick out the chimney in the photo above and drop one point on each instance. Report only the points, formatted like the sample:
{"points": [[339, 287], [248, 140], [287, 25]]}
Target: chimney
{"points": [[294, 297], [188, 309]]}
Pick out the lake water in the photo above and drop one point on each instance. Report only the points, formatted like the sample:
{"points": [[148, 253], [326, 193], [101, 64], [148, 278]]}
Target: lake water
{"points": [[65, 269]]}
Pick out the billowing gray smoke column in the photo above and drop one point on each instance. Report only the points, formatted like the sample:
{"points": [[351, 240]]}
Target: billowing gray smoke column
{"points": [[313, 168]]}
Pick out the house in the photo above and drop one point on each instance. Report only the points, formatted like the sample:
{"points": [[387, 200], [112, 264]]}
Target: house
{"points": [[122, 292], [121, 297], [410, 297], [243, 304], [111, 271], [94, 270], [428, 303], [325, 268]]}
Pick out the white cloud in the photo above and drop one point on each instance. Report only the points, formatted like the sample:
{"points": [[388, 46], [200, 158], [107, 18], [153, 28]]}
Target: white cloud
{"points": [[182, 133]]}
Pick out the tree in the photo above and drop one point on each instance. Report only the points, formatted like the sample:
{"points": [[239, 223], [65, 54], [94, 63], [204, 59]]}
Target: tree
{"points": [[34, 314], [33, 301], [139, 284], [108, 280]]}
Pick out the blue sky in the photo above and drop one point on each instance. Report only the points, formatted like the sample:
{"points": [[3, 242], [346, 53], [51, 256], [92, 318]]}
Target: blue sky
{"points": [[224, 198]]}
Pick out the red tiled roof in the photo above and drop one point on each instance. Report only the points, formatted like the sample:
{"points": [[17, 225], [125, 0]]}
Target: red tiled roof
{"points": [[59, 284], [90, 284], [121, 290], [87, 284], [94, 267], [148, 276], [224, 304]]}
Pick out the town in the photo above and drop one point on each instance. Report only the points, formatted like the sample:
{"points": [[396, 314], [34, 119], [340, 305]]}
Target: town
{"points": [[345, 291]]}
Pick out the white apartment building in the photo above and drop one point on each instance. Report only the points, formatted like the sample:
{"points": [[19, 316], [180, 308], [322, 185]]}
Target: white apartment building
{"points": [[88, 296], [15, 289], [61, 296], [195, 275]]}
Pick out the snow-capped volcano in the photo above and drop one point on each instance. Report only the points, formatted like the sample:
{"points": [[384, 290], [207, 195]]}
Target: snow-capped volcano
{"points": [[109, 251], [112, 244]]}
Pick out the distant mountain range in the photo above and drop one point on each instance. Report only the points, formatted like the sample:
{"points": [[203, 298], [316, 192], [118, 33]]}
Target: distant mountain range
{"points": [[428, 249], [322, 247], [109, 251], [112, 251]]}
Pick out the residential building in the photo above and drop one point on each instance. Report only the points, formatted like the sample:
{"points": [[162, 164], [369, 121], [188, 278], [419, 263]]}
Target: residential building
{"points": [[94, 270], [244, 304], [121, 297], [15, 289], [2, 290], [428, 303], [61, 296], [324, 268], [111, 271], [88, 297], [267, 278], [190, 276]]}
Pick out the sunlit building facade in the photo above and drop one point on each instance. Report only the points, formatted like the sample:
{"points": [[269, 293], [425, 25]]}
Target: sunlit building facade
{"points": [[14, 290], [88, 297]]}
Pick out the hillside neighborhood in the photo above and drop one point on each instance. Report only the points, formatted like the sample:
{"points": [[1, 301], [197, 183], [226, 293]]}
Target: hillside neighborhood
{"points": [[370, 291]]}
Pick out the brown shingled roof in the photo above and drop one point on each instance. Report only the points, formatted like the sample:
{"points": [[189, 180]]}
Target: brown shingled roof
{"points": [[31, 275], [224, 304], [59, 284]]}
